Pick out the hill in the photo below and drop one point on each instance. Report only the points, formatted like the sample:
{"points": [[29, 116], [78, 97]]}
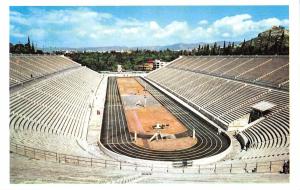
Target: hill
{"points": [[272, 41]]}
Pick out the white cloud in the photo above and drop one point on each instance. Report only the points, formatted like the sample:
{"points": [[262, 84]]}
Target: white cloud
{"points": [[15, 32], [86, 27], [226, 34], [262, 24], [133, 30], [175, 28], [231, 20], [236, 27], [203, 22], [74, 16], [38, 33], [18, 18], [239, 25], [129, 22], [154, 26]]}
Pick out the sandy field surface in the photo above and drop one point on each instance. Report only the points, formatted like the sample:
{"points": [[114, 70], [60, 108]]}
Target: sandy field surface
{"points": [[167, 144], [142, 118]]}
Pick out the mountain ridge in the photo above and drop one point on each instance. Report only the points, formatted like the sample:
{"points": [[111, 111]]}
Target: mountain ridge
{"points": [[173, 47]]}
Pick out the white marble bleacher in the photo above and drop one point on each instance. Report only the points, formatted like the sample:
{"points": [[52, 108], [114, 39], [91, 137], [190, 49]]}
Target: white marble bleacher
{"points": [[228, 100], [271, 70], [53, 114], [266, 68], [24, 68]]}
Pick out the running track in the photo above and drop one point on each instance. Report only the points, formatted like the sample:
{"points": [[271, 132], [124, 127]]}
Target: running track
{"points": [[116, 137]]}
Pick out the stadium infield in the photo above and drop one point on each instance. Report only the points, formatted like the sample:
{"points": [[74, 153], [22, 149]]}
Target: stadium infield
{"points": [[143, 115], [116, 137]]}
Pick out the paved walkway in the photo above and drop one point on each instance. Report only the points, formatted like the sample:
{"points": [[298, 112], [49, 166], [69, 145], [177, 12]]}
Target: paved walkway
{"points": [[94, 128]]}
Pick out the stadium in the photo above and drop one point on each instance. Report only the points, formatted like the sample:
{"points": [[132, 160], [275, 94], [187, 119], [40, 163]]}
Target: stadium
{"points": [[197, 119]]}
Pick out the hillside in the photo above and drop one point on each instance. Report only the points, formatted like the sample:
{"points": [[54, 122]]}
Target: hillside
{"points": [[272, 41]]}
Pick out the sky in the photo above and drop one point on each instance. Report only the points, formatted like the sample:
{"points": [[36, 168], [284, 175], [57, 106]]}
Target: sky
{"points": [[141, 25]]}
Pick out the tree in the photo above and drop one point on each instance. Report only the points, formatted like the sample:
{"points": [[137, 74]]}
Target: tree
{"points": [[243, 47], [219, 50], [28, 41], [199, 50], [250, 48], [232, 49], [281, 44], [28, 46], [214, 49], [224, 48], [32, 49], [228, 49], [267, 49], [207, 49]]}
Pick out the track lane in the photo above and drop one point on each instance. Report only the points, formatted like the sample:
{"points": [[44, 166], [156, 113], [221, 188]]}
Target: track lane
{"points": [[209, 143]]}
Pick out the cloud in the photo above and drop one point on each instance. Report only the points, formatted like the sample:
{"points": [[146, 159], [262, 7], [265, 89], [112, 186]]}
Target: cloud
{"points": [[86, 27], [130, 22], [18, 18], [226, 34], [236, 27], [239, 25], [203, 22], [154, 26], [132, 30], [14, 32], [38, 33], [174, 29]]}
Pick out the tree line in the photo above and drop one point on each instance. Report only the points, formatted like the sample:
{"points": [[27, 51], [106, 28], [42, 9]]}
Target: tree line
{"points": [[108, 61], [264, 44], [27, 48]]}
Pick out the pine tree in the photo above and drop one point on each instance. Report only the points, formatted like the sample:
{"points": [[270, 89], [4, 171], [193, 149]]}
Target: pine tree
{"points": [[276, 47], [243, 47], [32, 48], [202, 50], [214, 50], [281, 45], [228, 51], [207, 49], [28, 46], [28, 41], [250, 48], [199, 50], [266, 51]]}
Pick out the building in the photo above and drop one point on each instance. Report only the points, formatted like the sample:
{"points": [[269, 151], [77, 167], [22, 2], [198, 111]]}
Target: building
{"points": [[145, 67], [158, 64], [119, 69]]}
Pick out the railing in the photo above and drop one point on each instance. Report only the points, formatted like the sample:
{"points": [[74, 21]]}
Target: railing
{"points": [[218, 168]]}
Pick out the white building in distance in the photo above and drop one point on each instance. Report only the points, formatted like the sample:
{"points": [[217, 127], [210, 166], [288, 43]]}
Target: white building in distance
{"points": [[119, 68], [158, 64]]}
